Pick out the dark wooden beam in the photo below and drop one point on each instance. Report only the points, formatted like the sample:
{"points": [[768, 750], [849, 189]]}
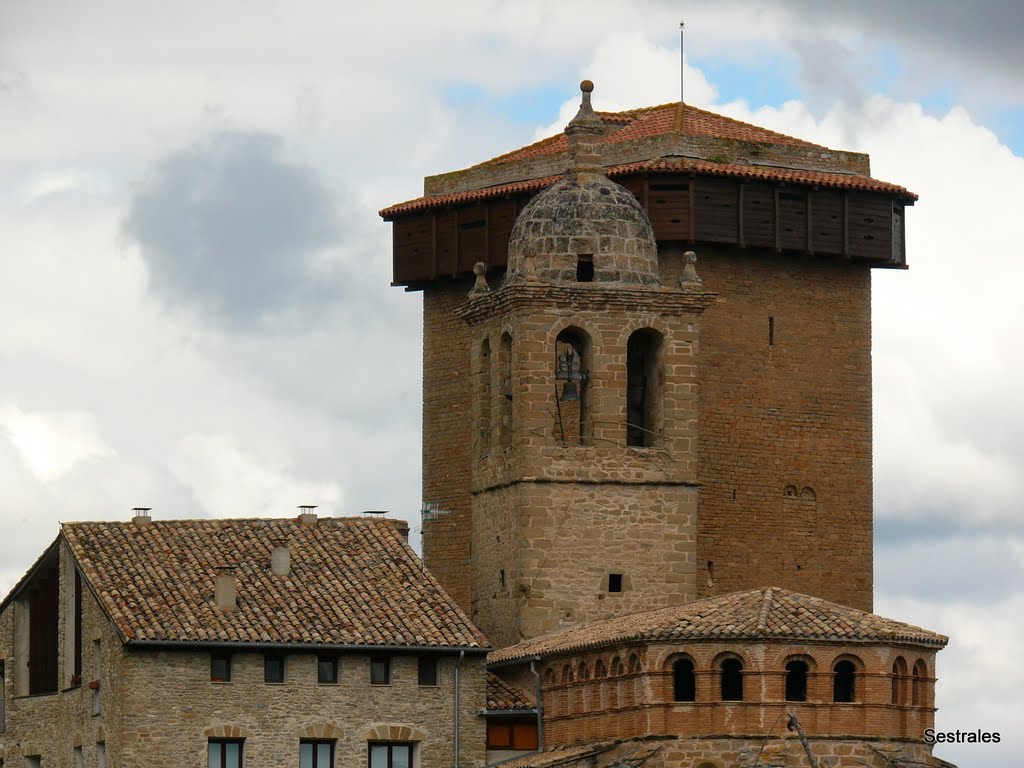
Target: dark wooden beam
{"points": [[693, 216], [741, 238]]}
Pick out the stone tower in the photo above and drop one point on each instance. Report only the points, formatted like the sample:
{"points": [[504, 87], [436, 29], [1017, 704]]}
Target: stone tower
{"points": [[787, 234], [584, 406]]}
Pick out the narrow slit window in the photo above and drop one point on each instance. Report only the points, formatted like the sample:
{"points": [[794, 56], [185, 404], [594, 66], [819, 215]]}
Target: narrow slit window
{"points": [[614, 582], [771, 331]]}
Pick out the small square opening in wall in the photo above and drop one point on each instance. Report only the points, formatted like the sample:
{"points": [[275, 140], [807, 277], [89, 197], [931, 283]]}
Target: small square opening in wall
{"points": [[614, 582], [585, 269]]}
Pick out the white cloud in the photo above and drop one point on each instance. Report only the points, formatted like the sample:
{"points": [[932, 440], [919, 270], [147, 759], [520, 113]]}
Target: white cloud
{"points": [[52, 444], [231, 482]]}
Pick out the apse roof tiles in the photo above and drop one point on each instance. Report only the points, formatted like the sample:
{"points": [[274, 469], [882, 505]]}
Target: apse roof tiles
{"points": [[758, 614]]}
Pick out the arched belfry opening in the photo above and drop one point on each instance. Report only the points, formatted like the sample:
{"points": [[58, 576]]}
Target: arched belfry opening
{"points": [[505, 391], [572, 396], [485, 379], [644, 384]]}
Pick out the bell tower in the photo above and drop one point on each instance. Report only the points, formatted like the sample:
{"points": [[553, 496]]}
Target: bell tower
{"points": [[583, 485]]}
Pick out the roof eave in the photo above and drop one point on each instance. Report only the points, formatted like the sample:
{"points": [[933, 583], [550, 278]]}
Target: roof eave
{"points": [[248, 645]]}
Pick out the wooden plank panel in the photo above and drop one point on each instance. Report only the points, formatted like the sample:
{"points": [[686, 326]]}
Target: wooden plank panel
{"points": [[472, 236], [899, 233], [669, 207], [447, 263], [759, 215], [500, 218], [827, 221], [870, 228], [412, 248], [793, 219], [715, 204]]}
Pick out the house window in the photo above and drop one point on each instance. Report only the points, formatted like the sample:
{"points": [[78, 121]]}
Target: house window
{"points": [[224, 753], [844, 682], [316, 754], [427, 674], [684, 682], [614, 582], [380, 670], [512, 734], [390, 755], [796, 681], [273, 668], [326, 669], [33, 761], [220, 667], [101, 755], [79, 758], [732, 679]]}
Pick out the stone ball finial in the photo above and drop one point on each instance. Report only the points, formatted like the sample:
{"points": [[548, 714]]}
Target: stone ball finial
{"points": [[480, 287], [587, 86], [690, 280]]}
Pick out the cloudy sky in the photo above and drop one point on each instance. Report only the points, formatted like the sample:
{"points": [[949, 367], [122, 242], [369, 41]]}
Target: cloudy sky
{"points": [[194, 303]]}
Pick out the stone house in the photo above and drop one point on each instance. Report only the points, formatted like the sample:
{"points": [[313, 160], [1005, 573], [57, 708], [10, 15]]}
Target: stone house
{"points": [[222, 643]]}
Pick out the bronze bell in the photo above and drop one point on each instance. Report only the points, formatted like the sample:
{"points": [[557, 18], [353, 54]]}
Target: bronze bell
{"points": [[570, 394]]}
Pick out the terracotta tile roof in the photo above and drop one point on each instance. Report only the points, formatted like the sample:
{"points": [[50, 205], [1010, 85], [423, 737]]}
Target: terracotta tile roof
{"points": [[503, 697], [766, 613], [848, 181], [655, 121], [353, 581]]}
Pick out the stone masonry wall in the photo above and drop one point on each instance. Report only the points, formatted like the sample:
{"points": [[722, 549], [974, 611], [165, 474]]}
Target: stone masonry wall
{"points": [[553, 518], [447, 438], [52, 725], [172, 708], [785, 425], [158, 708]]}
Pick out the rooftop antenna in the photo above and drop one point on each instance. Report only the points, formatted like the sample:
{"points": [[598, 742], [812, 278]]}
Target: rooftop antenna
{"points": [[682, 73]]}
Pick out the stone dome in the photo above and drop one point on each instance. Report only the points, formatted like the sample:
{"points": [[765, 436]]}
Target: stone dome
{"points": [[581, 216]]}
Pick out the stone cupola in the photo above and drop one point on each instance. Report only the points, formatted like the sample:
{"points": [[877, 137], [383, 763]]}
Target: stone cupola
{"points": [[584, 228]]}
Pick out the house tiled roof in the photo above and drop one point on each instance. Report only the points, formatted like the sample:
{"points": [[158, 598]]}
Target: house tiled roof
{"points": [[353, 582], [503, 697], [757, 614], [651, 122]]}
